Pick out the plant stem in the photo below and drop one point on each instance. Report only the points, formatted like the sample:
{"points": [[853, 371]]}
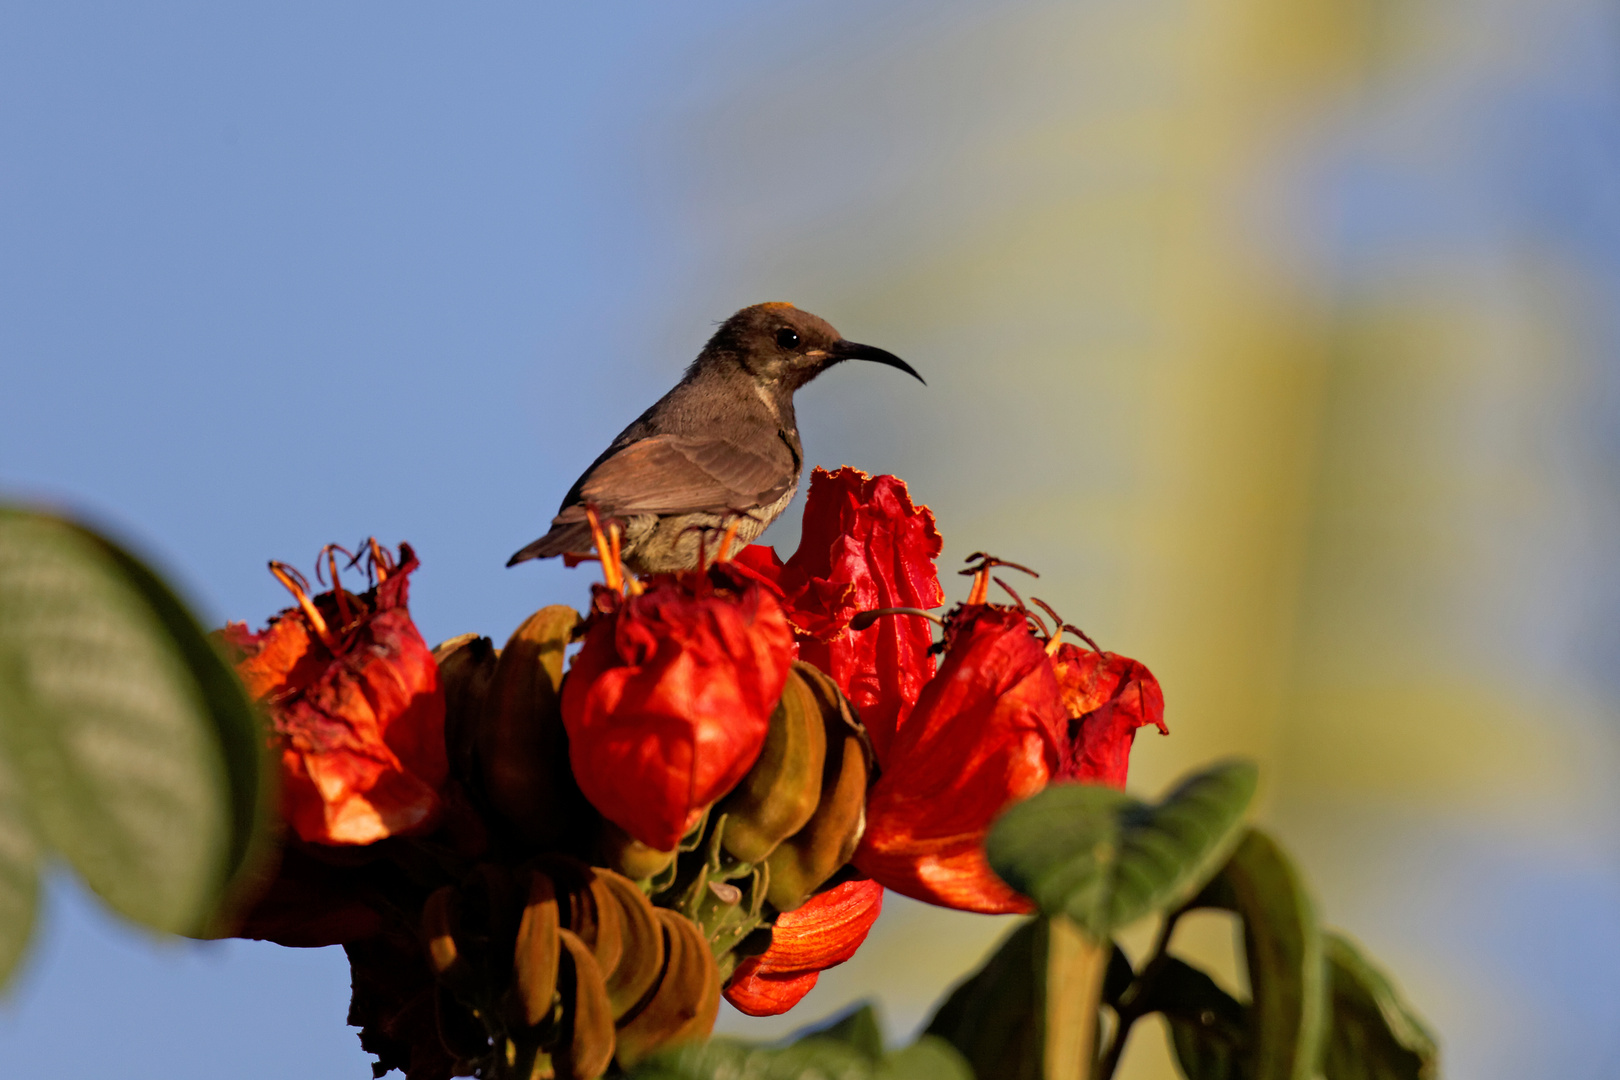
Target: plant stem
{"points": [[1129, 1010], [1075, 966]]}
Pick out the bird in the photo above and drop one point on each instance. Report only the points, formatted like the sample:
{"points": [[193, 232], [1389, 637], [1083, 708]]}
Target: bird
{"points": [[720, 452]]}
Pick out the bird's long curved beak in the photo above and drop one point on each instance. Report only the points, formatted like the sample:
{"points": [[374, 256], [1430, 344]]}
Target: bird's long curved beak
{"points": [[850, 350]]}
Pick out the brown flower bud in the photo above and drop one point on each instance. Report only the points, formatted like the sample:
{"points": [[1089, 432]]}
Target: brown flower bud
{"points": [[521, 744], [441, 924], [534, 958], [781, 791], [466, 668], [686, 1001], [809, 857], [619, 851], [588, 1040], [641, 958]]}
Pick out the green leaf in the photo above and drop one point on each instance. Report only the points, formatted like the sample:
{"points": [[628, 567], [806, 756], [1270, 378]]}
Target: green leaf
{"points": [[1106, 859], [1374, 1034], [1283, 947], [19, 854], [858, 1029], [1208, 1027], [929, 1058], [815, 1058], [238, 725], [822, 1058], [137, 749], [994, 1017], [851, 1048]]}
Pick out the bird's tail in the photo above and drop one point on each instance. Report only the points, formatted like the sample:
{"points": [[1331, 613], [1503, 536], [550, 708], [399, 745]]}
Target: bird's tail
{"points": [[571, 538]]}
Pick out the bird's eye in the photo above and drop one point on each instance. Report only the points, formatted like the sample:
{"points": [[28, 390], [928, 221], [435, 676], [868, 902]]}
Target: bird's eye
{"points": [[787, 339]]}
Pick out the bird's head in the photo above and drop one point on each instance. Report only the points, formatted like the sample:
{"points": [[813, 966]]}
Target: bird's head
{"points": [[781, 346]]}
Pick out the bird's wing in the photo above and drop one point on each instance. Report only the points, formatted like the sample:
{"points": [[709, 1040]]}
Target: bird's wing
{"points": [[674, 474]]}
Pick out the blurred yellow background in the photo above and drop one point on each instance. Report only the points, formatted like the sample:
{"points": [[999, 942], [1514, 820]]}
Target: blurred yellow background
{"points": [[1236, 331]]}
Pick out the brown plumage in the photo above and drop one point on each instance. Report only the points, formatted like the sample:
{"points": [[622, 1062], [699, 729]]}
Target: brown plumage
{"points": [[722, 447]]}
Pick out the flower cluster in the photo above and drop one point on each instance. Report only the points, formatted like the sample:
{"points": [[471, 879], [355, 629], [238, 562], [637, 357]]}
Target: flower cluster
{"points": [[541, 872]]}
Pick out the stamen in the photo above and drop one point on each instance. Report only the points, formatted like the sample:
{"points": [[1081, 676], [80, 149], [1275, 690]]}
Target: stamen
{"points": [[980, 572], [381, 562], [1083, 636], [864, 619], [610, 565], [981, 587], [1055, 638], [726, 541], [296, 583], [1019, 600], [342, 598]]}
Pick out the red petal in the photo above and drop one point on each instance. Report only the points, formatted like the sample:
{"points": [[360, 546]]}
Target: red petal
{"points": [[984, 734], [668, 702], [866, 546], [1107, 697], [823, 932], [767, 995]]}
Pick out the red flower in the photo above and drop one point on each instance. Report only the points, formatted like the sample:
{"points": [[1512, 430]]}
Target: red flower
{"points": [[311, 902], [358, 711], [1107, 697], [864, 546], [668, 701], [822, 933], [986, 732]]}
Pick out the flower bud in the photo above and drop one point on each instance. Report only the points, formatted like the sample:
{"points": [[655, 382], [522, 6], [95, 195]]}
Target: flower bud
{"points": [[466, 668], [536, 951], [810, 856], [984, 734], [641, 957], [521, 745], [668, 702], [623, 853], [684, 1004], [780, 792], [822, 933], [588, 1040]]}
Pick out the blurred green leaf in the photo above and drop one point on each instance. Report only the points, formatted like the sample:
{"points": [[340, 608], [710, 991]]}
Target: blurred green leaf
{"points": [[136, 749], [1373, 1034], [19, 851], [1208, 1027], [994, 1017], [821, 1055], [929, 1058], [1283, 947], [859, 1029], [826, 1058], [237, 724], [1106, 859]]}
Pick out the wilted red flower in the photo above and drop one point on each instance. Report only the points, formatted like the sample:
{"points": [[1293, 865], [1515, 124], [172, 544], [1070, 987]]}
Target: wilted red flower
{"points": [[822, 933], [355, 699], [986, 732], [668, 702], [1107, 697], [312, 902], [864, 546]]}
